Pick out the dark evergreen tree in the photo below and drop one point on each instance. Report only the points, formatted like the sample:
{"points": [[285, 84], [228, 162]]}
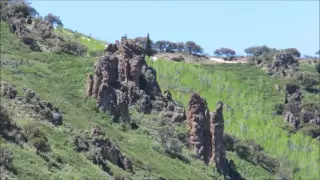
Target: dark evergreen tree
{"points": [[149, 51]]}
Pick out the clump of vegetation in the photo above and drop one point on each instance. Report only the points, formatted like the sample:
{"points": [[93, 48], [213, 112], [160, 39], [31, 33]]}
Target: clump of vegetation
{"points": [[17, 9], [73, 48], [171, 144], [37, 138], [229, 53], [311, 130], [53, 20]]}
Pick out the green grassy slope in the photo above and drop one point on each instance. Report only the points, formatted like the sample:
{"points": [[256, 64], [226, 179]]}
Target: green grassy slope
{"points": [[252, 95], [59, 78], [92, 44]]}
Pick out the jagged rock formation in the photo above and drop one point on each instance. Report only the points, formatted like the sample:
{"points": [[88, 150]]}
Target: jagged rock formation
{"points": [[101, 149], [172, 111], [283, 64], [293, 100], [31, 102], [36, 32], [298, 115], [122, 78], [199, 127], [218, 152], [206, 135]]}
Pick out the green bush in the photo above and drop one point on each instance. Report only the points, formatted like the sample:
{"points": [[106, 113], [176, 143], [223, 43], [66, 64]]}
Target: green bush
{"points": [[311, 130], [40, 143], [308, 82], [76, 35], [279, 108], [243, 151], [73, 48], [96, 53], [6, 159], [16, 9], [79, 143], [31, 42], [37, 138]]}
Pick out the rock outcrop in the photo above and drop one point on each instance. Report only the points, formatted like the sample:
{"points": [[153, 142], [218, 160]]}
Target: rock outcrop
{"points": [[283, 64], [293, 101], [122, 78], [299, 115], [101, 149], [218, 152], [206, 134], [198, 119], [30, 102]]}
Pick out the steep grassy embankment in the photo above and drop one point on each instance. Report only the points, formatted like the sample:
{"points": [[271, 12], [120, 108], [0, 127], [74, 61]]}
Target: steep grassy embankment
{"points": [[59, 78]]}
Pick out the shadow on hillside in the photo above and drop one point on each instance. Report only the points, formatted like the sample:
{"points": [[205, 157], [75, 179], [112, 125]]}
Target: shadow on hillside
{"points": [[10, 131], [251, 152], [313, 90], [228, 170], [178, 156]]}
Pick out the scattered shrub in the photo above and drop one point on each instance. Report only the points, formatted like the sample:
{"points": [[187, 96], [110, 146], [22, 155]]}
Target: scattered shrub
{"points": [[279, 108], [79, 143], [96, 157], [96, 53], [37, 138], [76, 35], [6, 158], [31, 42], [307, 81], [52, 19], [171, 144], [5, 119], [183, 137], [311, 130], [243, 151], [40, 143], [174, 146], [73, 48], [16, 9], [267, 162], [306, 116], [164, 134], [229, 142]]}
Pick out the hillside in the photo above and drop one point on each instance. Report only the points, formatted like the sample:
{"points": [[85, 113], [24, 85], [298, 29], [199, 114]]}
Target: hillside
{"points": [[256, 138]]}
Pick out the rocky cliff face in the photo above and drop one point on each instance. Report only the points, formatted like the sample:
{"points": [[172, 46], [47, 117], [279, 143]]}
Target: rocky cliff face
{"points": [[122, 78]]}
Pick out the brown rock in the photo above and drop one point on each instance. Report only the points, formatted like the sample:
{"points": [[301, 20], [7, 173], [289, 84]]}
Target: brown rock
{"points": [[216, 129], [120, 76], [199, 126], [206, 134], [89, 85]]}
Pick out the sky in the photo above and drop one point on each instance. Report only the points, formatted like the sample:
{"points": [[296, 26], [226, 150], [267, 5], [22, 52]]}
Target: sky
{"points": [[211, 24]]}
